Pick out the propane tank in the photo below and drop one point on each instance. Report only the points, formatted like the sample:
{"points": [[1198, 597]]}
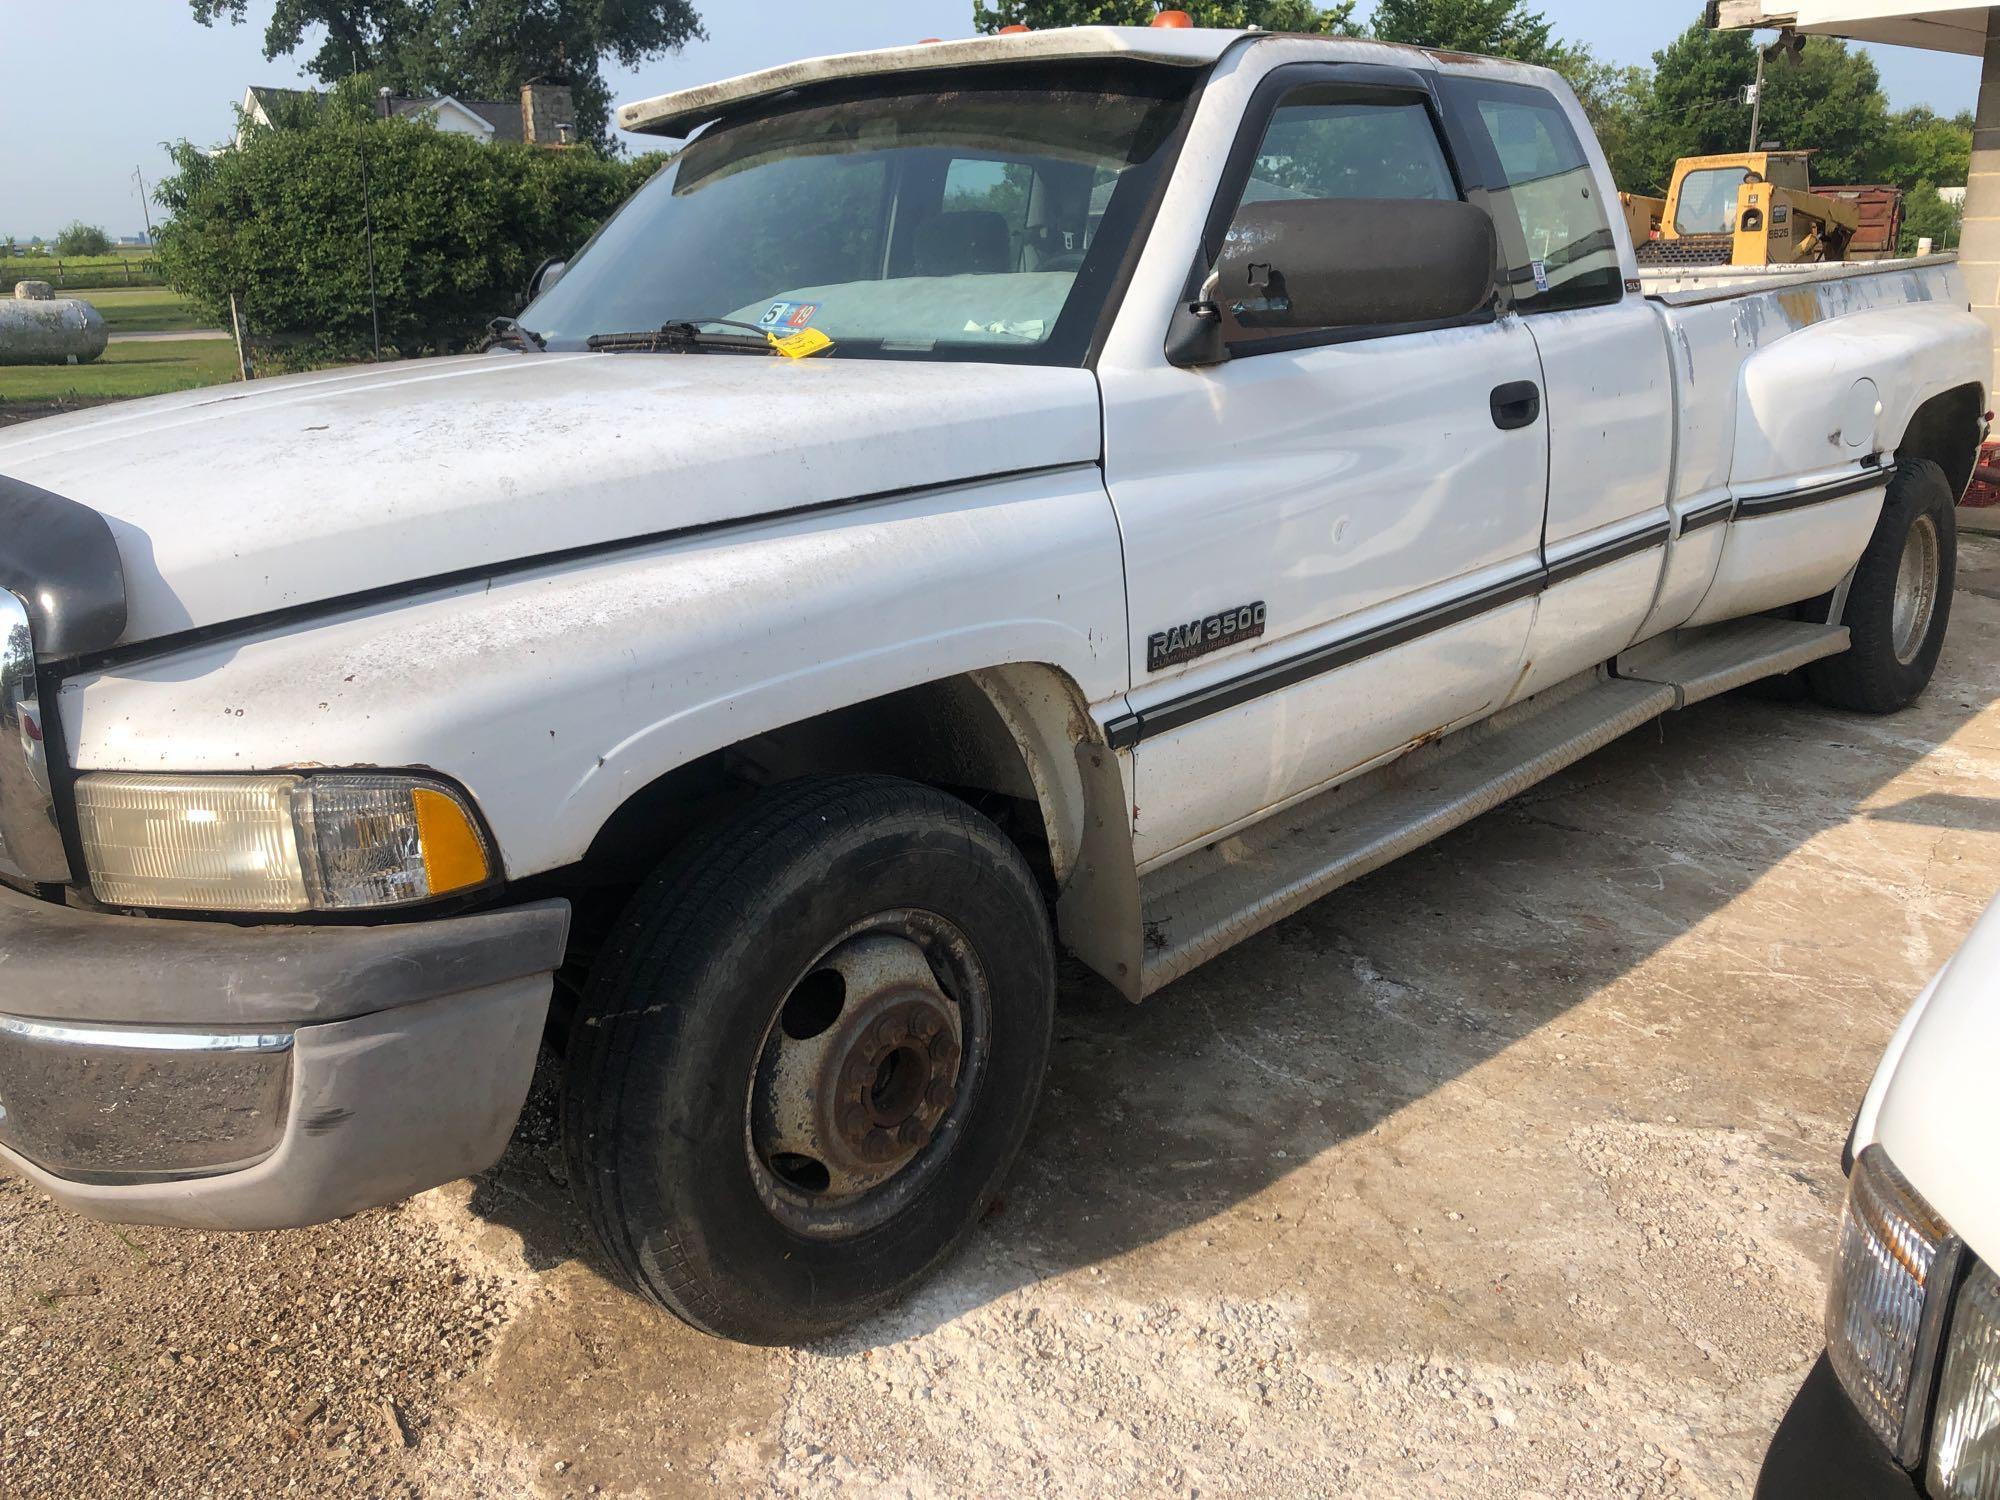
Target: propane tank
{"points": [[39, 328]]}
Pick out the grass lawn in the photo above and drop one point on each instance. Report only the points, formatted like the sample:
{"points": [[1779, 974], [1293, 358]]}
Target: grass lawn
{"points": [[142, 309], [123, 370]]}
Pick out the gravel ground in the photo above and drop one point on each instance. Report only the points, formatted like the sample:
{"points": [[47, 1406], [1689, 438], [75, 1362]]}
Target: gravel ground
{"points": [[1509, 1171]]}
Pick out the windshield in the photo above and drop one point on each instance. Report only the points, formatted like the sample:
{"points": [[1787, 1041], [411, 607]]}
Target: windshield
{"points": [[981, 222], [1708, 201]]}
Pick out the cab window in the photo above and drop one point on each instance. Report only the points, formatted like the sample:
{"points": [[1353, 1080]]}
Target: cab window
{"points": [[1321, 143], [1543, 195]]}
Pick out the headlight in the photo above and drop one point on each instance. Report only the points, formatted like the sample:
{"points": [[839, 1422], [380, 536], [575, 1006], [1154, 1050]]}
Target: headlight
{"points": [[277, 843], [1889, 1244], [1965, 1433]]}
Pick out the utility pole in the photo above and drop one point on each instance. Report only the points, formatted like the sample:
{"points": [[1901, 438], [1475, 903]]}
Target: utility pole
{"points": [[368, 229], [1757, 101], [144, 207]]}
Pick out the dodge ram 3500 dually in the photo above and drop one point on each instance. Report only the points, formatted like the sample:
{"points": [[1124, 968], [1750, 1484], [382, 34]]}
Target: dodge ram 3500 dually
{"points": [[1219, 462]]}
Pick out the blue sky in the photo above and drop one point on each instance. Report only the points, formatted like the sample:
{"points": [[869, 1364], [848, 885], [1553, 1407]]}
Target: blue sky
{"points": [[77, 122]]}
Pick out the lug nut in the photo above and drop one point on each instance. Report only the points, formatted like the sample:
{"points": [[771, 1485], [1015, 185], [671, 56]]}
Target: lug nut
{"points": [[940, 1096]]}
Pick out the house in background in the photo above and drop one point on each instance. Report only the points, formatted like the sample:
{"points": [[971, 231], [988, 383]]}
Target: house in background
{"points": [[544, 115]]}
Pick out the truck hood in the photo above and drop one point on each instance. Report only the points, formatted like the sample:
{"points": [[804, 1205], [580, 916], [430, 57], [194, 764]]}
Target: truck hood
{"points": [[231, 502], [1933, 1106]]}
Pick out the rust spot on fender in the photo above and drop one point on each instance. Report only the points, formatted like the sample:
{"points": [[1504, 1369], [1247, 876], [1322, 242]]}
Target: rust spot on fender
{"points": [[1801, 305]]}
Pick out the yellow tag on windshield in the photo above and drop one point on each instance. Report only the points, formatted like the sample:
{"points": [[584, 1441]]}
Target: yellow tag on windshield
{"points": [[798, 345]]}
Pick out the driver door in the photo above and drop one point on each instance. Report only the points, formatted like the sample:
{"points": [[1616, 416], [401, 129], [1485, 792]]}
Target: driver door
{"points": [[1359, 510]]}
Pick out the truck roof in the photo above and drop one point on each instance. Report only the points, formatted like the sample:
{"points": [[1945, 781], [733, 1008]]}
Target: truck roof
{"points": [[678, 113], [684, 110]]}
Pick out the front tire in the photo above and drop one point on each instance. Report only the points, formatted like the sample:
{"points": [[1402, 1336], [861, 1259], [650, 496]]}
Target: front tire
{"points": [[1900, 602], [809, 1055]]}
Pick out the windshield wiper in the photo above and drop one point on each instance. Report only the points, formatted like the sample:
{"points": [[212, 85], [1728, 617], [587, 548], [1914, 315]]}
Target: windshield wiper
{"points": [[684, 336], [505, 333]]}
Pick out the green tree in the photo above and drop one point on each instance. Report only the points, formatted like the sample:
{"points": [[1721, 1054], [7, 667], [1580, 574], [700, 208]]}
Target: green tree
{"points": [[1925, 147], [1619, 102], [79, 238], [479, 49], [1269, 15], [1830, 102], [458, 227], [1927, 216], [1495, 28]]}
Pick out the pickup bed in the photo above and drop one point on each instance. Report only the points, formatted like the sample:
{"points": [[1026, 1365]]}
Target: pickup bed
{"points": [[1094, 490]]}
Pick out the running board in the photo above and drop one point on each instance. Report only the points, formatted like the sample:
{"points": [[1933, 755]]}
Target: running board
{"points": [[1702, 663], [1211, 900]]}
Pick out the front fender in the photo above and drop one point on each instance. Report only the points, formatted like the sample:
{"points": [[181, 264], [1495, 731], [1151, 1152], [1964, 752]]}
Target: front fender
{"points": [[554, 697]]}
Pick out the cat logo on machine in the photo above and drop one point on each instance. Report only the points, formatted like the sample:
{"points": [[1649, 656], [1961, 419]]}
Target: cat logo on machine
{"points": [[1169, 648]]}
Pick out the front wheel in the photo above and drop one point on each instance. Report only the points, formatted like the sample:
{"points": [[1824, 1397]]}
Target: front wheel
{"points": [[1900, 601], [809, 1054]]}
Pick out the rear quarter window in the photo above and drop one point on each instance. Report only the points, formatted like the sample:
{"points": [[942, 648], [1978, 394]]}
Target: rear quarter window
{"points": [[1542, 193]]}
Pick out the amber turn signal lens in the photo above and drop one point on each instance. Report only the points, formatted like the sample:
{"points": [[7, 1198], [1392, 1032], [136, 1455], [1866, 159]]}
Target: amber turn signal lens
{"points": [[454, 854]]}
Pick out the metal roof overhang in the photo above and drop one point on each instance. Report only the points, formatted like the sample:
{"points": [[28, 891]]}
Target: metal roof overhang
{"points": [[1934, 25]]}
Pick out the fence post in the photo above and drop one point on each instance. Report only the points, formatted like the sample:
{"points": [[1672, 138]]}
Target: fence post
{"points": [[243, 369]]}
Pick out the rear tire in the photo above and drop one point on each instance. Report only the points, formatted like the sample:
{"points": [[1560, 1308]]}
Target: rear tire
{"points": [[1899, 605], [808, 1056]]}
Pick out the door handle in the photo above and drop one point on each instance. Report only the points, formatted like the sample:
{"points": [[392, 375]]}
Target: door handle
{"points": [[1516, 404]]}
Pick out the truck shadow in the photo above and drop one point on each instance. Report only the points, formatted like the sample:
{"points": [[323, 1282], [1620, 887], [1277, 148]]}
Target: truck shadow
{"points": [[1177, 1117]]}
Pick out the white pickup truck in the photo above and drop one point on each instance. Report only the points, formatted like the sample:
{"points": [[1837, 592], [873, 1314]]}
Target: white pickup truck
{"points": [[1229, 461], [1905, 1403]]}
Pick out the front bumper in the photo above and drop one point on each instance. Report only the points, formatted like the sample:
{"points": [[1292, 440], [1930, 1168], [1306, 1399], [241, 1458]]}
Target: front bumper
{"points": [[1824, 1450], [222, 1077]]}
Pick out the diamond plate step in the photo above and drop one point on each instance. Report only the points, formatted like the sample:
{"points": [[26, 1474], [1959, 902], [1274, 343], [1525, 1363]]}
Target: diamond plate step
{"points": [[1699, 664], [1236, 887]]}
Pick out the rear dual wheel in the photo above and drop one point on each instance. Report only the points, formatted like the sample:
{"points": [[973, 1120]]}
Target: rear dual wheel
{"points": [[1899, 603], [809, 1055]]}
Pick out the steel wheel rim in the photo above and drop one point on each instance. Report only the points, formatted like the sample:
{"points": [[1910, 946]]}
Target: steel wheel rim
{"points": [[1915, 598], [845, 1124]]}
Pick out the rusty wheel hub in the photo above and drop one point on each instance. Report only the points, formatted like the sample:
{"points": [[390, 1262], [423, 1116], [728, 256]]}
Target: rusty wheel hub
{"points": [[861, 1069]]}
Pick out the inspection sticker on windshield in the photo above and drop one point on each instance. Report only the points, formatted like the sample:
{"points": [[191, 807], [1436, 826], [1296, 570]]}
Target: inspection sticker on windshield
{"points": [[793, 315]]}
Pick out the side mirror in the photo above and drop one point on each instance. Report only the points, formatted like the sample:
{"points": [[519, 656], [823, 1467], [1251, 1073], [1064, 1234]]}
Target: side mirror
{"points": [[546, 275], [1349, 263]]}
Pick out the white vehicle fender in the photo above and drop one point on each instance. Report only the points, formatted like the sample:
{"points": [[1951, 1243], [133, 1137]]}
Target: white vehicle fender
{"points": [[1841, 390], [555, 697]]}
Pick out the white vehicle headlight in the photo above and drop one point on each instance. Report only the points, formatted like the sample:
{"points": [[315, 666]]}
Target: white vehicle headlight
{"points": [[1965, 1432], [277, 843], [1889, 1243]]}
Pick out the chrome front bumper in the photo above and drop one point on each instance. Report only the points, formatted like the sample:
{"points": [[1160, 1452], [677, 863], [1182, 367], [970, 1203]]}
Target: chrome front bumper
{"points": [[214, 1076], [111, 1104]]}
